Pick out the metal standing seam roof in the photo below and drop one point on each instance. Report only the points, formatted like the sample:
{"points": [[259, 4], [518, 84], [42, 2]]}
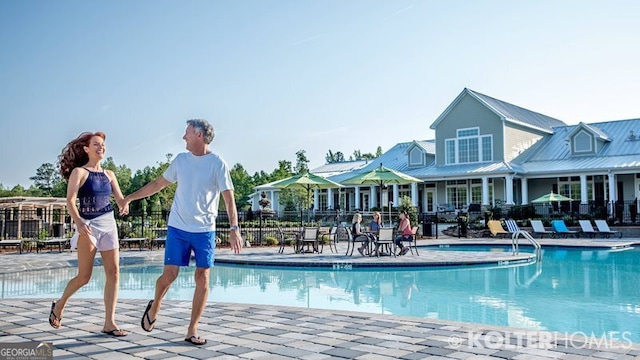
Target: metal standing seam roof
{"points": [[617, 151], [518, 114], [511, 113], [395, 158]]}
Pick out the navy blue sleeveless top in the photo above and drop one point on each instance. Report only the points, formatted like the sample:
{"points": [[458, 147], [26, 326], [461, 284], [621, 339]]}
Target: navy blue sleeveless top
{"points": [[94, 195]]}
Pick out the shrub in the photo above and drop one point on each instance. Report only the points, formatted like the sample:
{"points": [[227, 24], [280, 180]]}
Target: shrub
{"points": [[270, 240]]}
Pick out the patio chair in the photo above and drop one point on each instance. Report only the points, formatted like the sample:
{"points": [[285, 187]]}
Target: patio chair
{"points": [[513, 228], [496, 229], [309, 238], [351, 244], [561, 229], [385, 241], [157, 242], [587, 229], [413, 244], [62, 243], [604, 229], [539, 229], [331, 238], [128, 242], [285, 237], [18, 244]]}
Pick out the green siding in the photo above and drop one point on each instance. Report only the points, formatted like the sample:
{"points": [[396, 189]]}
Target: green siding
{"points": [[518, 139], [468, 113]]}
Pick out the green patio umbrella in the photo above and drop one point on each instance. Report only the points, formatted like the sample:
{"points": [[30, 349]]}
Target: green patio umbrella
{"points": [[381, 176], [550, 197], [306, 181]]}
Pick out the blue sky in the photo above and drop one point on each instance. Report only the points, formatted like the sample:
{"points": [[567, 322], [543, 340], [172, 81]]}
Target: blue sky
{"points": [[275, 77]]}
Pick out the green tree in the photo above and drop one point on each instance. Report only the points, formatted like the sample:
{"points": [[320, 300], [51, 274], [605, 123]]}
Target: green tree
{"points": [[282, 172], [379, 151], [332, 157], [122, 172], [302, 163], [148, 174], [358, 155], [261, 177], [243, 185], [45, 179], [59, 189], [405, 204], [17, 190]]}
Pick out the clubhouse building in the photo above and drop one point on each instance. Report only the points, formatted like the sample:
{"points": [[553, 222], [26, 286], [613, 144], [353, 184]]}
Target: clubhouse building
{"points": [[488, 153]]}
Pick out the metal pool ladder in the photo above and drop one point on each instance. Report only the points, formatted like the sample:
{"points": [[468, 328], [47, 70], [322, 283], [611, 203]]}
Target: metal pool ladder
{"points": [[515, 231]]}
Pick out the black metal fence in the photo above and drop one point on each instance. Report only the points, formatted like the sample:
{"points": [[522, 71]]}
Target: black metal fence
{"points": [[260, 228]]}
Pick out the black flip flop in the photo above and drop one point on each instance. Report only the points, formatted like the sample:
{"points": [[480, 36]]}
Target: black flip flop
{"points": [[146, 316], [53, 318], [115, 332], [195, 340]]}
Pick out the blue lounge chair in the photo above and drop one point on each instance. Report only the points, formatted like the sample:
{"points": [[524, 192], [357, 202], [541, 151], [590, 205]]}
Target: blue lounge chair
{"points": [[561, 229]]}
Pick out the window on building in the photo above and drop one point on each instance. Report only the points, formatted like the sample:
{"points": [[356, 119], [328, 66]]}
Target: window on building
{"points": [[457, 193], [322, 201], [403, 190], [450, 151], [476, 191], [570, 187], [415, 157], [468, 147], [583, 142]]}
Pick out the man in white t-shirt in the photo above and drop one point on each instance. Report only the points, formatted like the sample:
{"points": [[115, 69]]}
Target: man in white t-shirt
{"points": [[202, 177]]}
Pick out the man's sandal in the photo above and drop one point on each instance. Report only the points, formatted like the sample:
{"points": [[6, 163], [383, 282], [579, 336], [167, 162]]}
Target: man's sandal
{"points": [[146, 317]]}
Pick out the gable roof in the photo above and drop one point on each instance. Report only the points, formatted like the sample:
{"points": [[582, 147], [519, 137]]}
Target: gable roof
{"points": [[552, 154], [506, 111], [394, 158], [592, 129], [427, 146]]}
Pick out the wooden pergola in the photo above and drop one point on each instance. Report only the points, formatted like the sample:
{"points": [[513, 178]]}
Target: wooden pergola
{"points": [[21, 215]]}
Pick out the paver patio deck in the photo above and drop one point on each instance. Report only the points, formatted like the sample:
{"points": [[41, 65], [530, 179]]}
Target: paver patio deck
{"points": [[239, 331]]}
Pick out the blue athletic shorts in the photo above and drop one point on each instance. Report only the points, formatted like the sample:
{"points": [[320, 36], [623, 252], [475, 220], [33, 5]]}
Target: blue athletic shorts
{"points": [[180, 243]]}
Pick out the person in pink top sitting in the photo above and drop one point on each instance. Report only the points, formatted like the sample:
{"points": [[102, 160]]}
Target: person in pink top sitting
{"points": [[404, 228]]}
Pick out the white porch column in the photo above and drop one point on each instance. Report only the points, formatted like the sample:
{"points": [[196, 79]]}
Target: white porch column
{"points": [[316, 199], [525, 190], [396, 195], [330, 198], [414, 194], [508, 184], [272, 197], [357, 198], [612, 192], [583, 189], [373, 196], [485, 191]]}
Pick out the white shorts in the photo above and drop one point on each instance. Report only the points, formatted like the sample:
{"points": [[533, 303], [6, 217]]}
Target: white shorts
{"points": [[104, 233]]}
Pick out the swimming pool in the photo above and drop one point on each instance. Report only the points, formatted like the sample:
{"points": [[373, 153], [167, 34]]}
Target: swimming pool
{"points": [[570, 290]]}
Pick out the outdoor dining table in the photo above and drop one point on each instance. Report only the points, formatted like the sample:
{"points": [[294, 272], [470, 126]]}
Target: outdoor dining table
{"points": [[372, 245]]}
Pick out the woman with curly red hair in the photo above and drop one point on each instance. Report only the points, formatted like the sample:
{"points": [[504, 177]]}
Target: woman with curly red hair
{"points": [[89, 190]]}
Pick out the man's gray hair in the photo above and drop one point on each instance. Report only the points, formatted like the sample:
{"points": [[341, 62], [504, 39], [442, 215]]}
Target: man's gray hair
{"points": [[202, 126]]}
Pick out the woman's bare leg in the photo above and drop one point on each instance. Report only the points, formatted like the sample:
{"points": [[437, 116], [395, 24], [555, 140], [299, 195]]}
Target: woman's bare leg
{"points": [[86, 254], [111, 264]]}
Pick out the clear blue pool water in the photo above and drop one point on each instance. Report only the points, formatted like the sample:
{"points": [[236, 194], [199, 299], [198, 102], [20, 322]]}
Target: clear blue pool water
{"points": [[591, 291]]}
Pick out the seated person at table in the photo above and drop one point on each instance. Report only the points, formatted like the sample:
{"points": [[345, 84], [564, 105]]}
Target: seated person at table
{"points": [[358, 235], [376, 222], [374, 228], [404, 228]]}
